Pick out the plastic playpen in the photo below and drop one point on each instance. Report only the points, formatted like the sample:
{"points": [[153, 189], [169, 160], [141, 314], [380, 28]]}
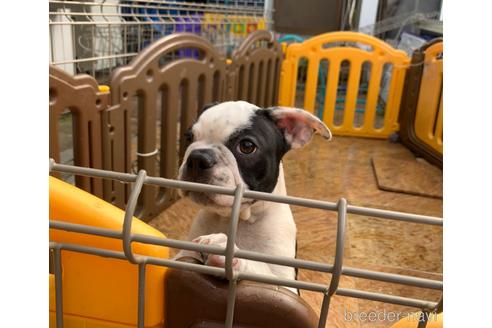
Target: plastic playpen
{"points": [[112, 270]]}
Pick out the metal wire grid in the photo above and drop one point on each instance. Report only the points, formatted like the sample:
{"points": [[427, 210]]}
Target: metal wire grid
{"points": [[96, 37], [399, 22], [337, 269]]}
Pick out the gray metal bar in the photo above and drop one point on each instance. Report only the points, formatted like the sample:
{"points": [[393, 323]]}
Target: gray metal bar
{"points": [[170, 5], [439, 306], [90, 172], [393, 215], [129, 211], [193, 186], [272, 280], [141, 294], [341, 226], [416, 303], [398, 300], [137, 23], [393, 278], [348, 271], [284, 260], [337, 269], [83, 60], [188, 245], [325, 307], [254, 256], [74, 227], [250, 276], [58, 287], [338, 263], [200, 268], [149, 260], [229, 255], [424, 318], [231, 233], [168, 183], [180, 244], [231, 302], [89, 250], [52, 164], [290, 200]]}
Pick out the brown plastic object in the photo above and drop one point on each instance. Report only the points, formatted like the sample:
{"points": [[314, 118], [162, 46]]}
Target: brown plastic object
{"points": [[408, 108], [254, 74], [195, 300], [189, 73], [80, 94]]}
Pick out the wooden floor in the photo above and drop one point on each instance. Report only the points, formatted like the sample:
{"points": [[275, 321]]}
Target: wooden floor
{"points": [[342, 168]]}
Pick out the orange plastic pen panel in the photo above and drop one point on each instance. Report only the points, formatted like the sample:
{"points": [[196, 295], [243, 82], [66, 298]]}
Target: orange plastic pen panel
{"points": [[356, 49], [428, 116]]}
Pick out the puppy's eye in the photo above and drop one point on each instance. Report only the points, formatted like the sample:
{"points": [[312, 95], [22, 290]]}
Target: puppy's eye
{"points": [[247, 147]]}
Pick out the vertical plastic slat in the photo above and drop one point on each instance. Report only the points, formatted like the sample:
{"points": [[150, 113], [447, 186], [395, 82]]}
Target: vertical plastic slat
{"points": [[252, 82], [311, 84], [352, 93], [331, 92], [270, 80], [168, 140], [373, 94], [147, 153], [392, 99], [188, 114], [438, 134], [260, 84]]}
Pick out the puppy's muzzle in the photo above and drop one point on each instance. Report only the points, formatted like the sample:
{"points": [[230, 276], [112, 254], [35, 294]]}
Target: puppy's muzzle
{"points": [[199, 162]]}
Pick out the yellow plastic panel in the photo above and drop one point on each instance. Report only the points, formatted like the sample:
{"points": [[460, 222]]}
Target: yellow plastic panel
{"points": [[429, 112], [369, 49], [98, 291]]}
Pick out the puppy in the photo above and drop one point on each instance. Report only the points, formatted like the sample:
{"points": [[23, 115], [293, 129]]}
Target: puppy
{"points": [[237, 142]]}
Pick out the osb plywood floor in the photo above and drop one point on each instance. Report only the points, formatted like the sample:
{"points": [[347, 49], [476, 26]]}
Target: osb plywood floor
{"points": [[342, 168]]}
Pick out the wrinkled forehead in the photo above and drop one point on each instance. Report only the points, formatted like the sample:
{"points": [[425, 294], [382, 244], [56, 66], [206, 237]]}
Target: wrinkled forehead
{"points": [[218, 123]]}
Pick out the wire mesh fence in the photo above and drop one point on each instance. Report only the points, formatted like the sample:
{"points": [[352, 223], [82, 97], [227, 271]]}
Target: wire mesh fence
{"points": [[96, 37], [337, 269]]}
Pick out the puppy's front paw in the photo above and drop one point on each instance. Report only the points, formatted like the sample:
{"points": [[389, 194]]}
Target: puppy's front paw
{"points": [[218, 239], [212, 239]]}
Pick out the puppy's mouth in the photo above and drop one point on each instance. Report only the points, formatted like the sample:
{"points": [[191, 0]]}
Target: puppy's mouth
{"points": [[214, 200], [211, 199], [214, 170]]}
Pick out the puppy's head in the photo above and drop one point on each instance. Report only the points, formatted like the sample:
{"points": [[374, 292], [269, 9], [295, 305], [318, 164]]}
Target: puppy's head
{"points": [[237, 142]]}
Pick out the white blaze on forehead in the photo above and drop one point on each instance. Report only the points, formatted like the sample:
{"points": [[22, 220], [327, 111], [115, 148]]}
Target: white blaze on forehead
{"points": [[218, 123]]}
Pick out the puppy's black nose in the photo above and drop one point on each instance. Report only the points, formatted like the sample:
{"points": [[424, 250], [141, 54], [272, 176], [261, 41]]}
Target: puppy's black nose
{"points": [[200, 160]]}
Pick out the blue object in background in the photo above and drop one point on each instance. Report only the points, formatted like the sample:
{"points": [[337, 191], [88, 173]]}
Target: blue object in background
{"points": [[172, 21]]}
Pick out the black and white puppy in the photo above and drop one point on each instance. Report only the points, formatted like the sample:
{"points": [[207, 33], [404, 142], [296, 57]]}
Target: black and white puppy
{"points": [[237, 142]]}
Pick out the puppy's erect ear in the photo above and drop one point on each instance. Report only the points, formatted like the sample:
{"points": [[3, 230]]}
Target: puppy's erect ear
{"points": [[298, 125]]}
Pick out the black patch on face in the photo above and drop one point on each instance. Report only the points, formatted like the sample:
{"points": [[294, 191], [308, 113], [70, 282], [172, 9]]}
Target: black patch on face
{"points": [[260, 169]]}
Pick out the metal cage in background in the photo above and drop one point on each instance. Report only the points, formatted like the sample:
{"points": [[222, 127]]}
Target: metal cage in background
{"points": [[94, 37]]}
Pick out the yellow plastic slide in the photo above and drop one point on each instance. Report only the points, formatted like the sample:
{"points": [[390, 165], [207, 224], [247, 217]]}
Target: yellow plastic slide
{"points": [[97, 291]]}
